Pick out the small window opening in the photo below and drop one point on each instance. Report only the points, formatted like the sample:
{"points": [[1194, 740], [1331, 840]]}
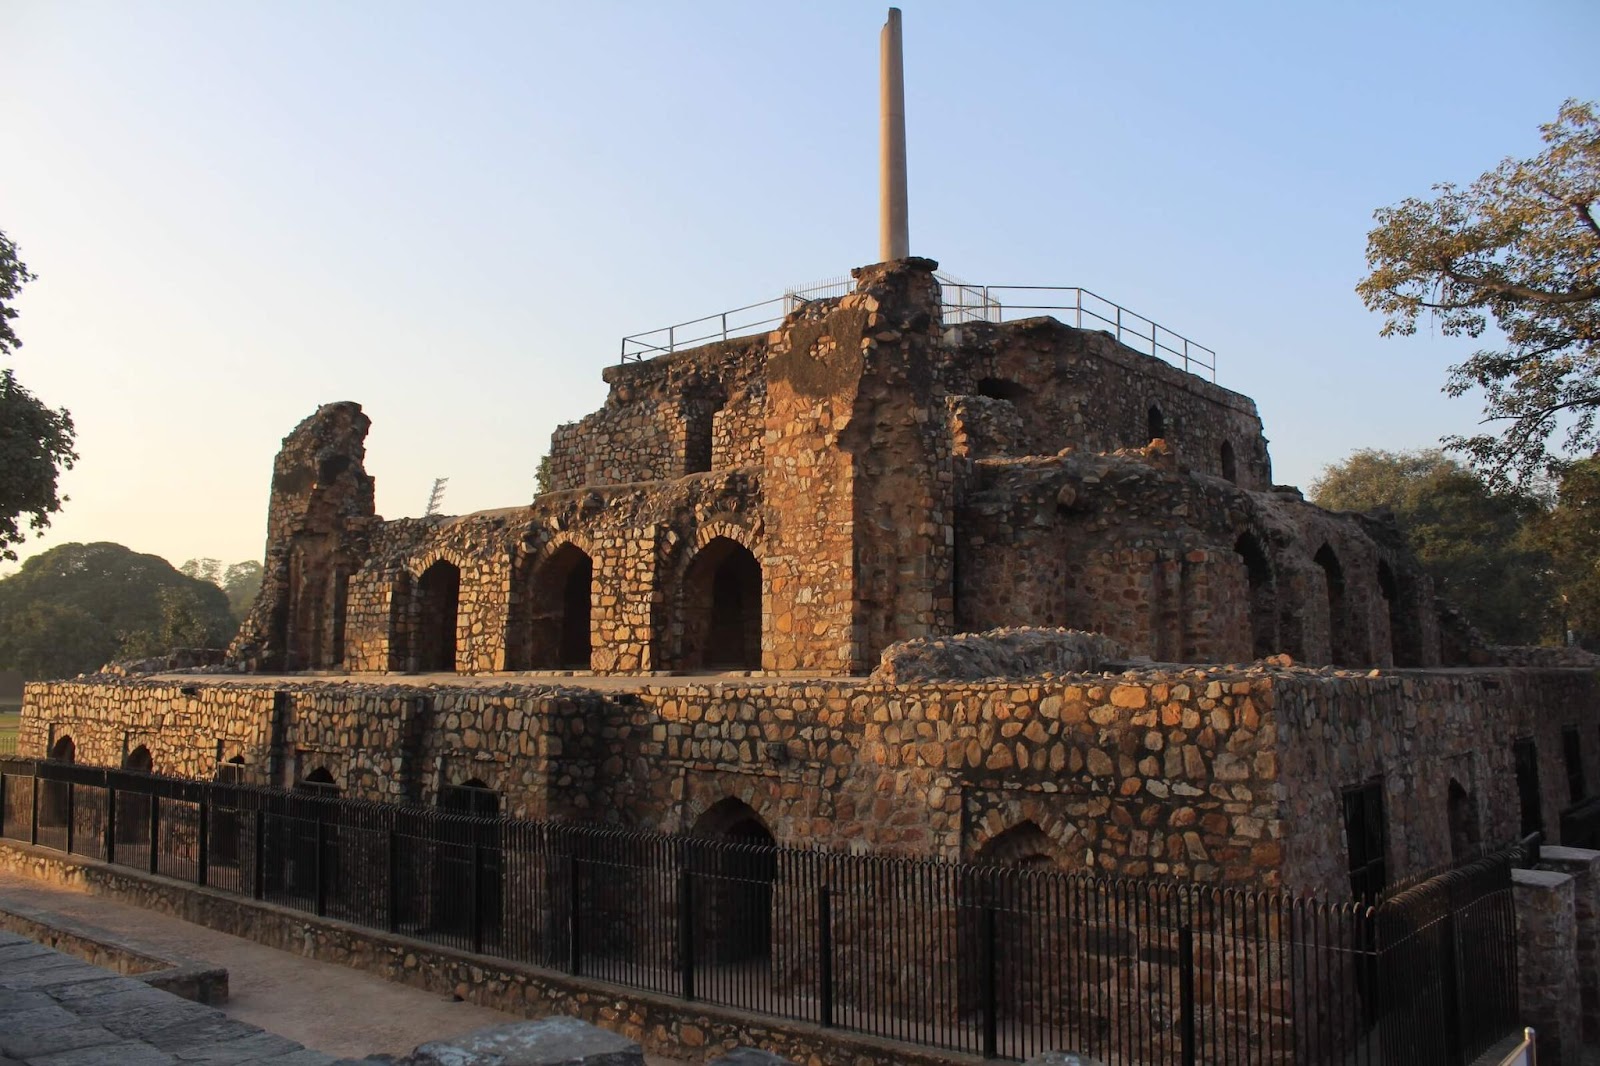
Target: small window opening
{"points": [[1001, 389], [1155, 424], [1230, 464]]}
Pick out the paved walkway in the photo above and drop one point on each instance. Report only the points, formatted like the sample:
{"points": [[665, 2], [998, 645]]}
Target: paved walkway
{"points": [[56, 1010], [334, 1009]]}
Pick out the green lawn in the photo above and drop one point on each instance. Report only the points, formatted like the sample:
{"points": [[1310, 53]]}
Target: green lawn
{"points": [[10, 713]]}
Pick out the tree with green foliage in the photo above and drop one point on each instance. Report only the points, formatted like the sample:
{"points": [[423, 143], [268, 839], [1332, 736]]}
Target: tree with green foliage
{"points": [[76, 607], [1570, 534], [1517, 250], [1475, 541], [240, 582], [35, 440]]}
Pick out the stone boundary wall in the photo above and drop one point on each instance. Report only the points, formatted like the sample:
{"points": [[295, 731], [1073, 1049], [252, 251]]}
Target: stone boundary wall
{"points": [[660, 1023], [1416, 732], [1231, 775], [187, 727]]}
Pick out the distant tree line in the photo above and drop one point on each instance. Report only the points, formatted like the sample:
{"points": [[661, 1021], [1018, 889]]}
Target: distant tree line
{"points": [[76, 607], [1523, 562]]}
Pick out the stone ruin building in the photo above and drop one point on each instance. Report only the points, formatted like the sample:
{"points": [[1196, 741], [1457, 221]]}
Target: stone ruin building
{"points": [[802, 521]]}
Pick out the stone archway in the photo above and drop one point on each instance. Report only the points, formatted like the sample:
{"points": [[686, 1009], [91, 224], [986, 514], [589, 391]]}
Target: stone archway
{"points": [[1263, 605], [438, 603], [721, 608], [469, 875], [1340, 652], [55, 797], [133, 808], [733, 884], [552, 626]]}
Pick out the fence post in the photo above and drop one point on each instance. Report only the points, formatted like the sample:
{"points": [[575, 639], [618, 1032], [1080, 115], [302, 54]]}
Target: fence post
{"points": [[1450, 978], [988, 992], [686, 930], [1186, 991], [259, 888], [201, 877], [319, 903], [477, 896], [33, 811], [825, 954], [393, 909], [155, 833], [111, 824], [574, 945], [2, 804], [72, 812]]}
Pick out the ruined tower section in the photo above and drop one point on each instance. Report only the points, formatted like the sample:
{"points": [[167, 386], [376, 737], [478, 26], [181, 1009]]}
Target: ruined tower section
{"points": [[318, 522], [857, 478]]}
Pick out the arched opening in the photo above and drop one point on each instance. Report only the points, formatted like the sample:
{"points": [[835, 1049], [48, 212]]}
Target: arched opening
{"points": [[722, 608], [55, 798], [1230, 463], [438, 598], [1391, 602], [319, 782], [224, 851], [1263, 595], [1155, 424], [1008, 895], [1023, 846], [133, 808], [1465, 836], [1339, 651], [1002, 389], [470, 861], [556, 600], [733, 881], [314, 823]]}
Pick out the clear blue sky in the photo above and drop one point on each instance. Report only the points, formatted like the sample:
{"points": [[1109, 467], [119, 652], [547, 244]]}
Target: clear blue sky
{"points": [[452, 212]]}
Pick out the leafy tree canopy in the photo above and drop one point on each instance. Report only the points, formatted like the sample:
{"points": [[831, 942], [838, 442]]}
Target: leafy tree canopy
{"points": [[1570, 534], [241, 581], [1475, 541], [1518, 250], [35, 440], [76, 607]]}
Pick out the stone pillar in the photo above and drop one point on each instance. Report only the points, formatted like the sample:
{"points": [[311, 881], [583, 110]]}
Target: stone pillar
{"points": [[894, 236], [1584, 866], [1547, 962]]}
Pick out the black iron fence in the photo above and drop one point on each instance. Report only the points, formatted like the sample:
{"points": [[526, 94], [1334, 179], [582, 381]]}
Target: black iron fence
{"points": [[998, 961]]}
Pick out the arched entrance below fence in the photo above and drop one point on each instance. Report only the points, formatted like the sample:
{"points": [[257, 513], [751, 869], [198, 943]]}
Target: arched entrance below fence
{"points": [[733, 881], [133, 808], [55, 797], [468, 877]]}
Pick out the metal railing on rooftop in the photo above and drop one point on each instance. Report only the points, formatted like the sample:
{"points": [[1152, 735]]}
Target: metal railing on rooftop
{"points": [[960, 302]]}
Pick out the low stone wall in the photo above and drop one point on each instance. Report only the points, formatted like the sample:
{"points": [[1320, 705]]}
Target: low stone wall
{"points": [[659, 1023], [1221, 774], [186, 978]]}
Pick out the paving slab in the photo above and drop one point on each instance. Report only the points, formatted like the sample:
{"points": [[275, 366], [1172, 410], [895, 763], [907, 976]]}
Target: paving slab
{"points": [[338, 1010]]}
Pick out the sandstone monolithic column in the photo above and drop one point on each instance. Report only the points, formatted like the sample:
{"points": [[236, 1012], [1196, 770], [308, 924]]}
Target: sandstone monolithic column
{"points": [[894, 234]]}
